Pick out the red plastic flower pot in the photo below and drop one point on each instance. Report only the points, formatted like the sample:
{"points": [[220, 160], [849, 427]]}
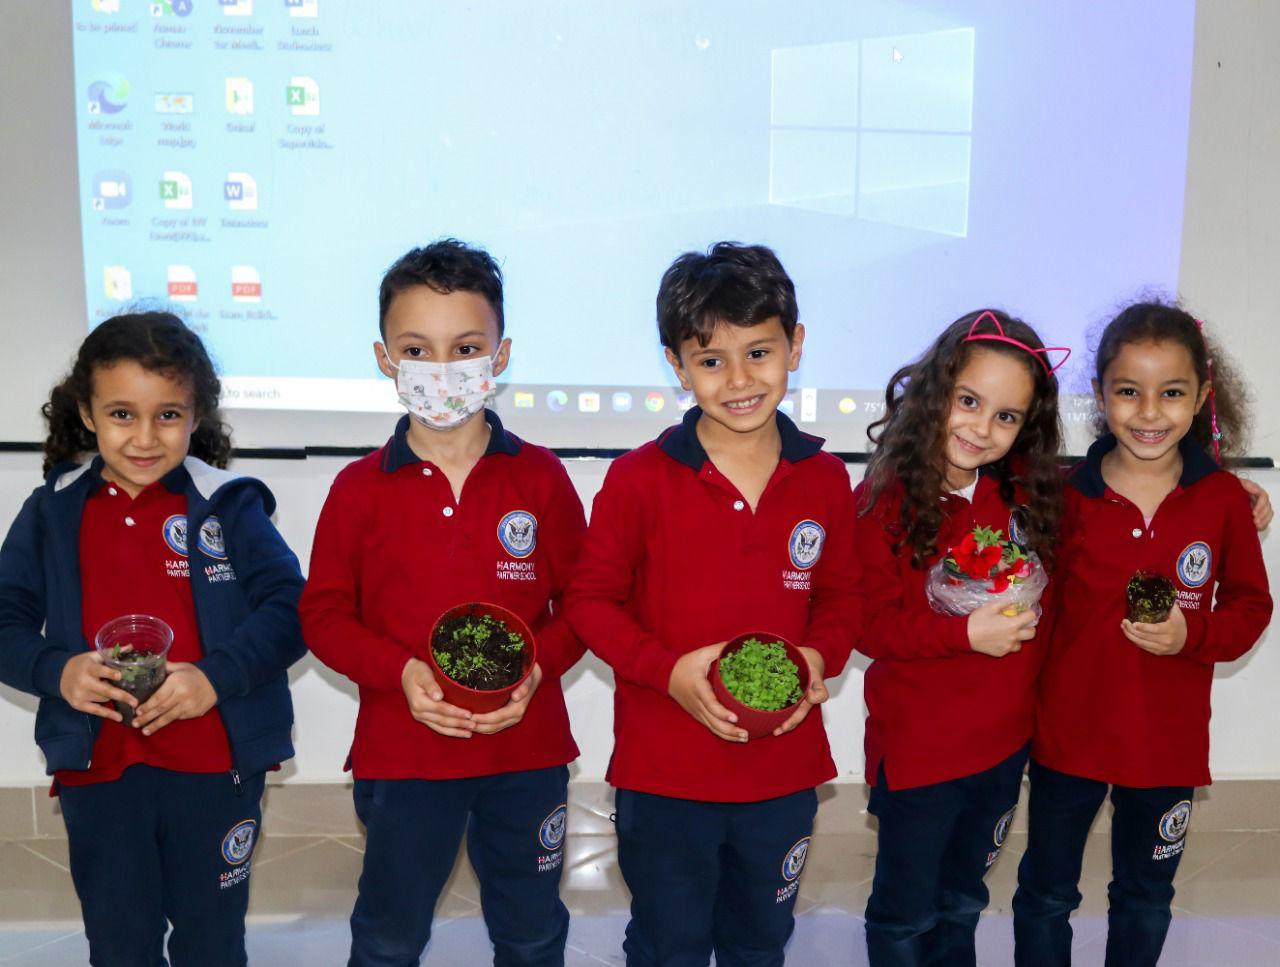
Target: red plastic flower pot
{"points": [[757, 723], [476, 699]]}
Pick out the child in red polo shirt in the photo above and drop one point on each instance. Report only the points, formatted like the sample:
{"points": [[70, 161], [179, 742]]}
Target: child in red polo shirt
{"points": [[1124, 698], [162, 813], [970, 438], [732, 522], [453, 509]]}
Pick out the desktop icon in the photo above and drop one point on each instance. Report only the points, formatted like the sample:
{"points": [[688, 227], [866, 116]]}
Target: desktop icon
{"points": [[246, 284], [117, 283], [302, 96], [622, 402], [240, 191], [654, 402], [182, 283], [239, 95], [111, 190], [109, 93], [175, 189], [557, 400], [175, 103]]}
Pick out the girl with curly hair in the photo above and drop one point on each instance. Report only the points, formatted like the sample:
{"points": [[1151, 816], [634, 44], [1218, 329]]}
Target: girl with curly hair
{"points": [[137, 526], [970, 437]]}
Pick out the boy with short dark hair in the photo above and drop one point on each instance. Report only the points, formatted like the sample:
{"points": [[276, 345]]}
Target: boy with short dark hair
{"points": [[732, 522], [400, 541]]}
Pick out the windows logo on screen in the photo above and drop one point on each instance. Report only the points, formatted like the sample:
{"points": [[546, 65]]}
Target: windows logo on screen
{"points": [[109, 93]]}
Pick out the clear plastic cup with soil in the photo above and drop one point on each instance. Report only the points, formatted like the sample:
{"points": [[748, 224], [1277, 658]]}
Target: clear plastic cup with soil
{"points": [[137, 646], [760, 678], [481, 653], [1151, 598]]}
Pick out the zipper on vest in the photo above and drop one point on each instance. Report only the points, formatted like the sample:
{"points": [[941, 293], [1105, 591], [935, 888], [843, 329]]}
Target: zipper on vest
{"points": [[235, 778]]}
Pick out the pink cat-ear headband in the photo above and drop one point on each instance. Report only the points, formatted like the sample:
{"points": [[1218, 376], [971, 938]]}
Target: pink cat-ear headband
{"points": [[999, 336]]}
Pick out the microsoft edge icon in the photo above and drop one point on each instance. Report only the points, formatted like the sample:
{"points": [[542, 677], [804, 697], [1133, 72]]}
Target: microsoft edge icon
{"points": [[108, 94]]}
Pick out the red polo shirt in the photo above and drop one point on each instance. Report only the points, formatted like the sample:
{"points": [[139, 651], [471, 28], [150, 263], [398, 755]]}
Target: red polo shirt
{"points": [[393, 551], [936, 709], [675, 560], [133, 560], [1109, 710]]}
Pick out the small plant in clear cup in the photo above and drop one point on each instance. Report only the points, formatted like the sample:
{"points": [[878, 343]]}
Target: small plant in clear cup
{"points": [[1151, 597], [136, 645]]}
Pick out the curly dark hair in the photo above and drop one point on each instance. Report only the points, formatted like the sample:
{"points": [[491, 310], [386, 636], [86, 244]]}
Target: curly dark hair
{"points": [[910, 441], [446, 265], [739, 284], [1155, 321], [159, 342]]}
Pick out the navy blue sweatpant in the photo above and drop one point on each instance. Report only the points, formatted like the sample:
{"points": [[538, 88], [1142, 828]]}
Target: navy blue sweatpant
{"points": [[710, 876], [515, 828], [934, 848], [154, 848], [1148, 833]]}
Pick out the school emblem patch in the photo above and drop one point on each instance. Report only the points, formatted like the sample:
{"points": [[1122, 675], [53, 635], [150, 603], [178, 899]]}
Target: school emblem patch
{"points": [[805, 544], [1016, 533], [793, 863], [1002, 827], [237, 845], [518, 533], [1174, 823], [551, 832], [1194, 564], [175, 533], [210, 540]]}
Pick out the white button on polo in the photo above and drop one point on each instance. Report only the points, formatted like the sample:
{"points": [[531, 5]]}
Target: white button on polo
{"points": [[130, 521], [448, 511], [426, 471], [1137, 532], [111, 491], [738, 505]]}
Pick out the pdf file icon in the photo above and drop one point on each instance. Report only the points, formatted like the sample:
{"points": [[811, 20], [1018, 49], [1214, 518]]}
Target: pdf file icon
{"points": [[182, 283], [246, 284]]}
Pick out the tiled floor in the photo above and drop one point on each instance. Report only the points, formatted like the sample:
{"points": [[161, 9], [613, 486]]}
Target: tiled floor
{"points": [[1228, 904]]}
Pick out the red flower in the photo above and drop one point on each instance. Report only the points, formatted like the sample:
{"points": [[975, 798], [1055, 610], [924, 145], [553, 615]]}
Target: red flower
{"points": [[975, 562], [999, 583]]}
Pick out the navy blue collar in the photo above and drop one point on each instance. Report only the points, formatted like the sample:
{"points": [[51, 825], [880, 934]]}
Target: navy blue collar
{"points": [[175, 481], [1086, 477], [397, 453], [681, 442]]}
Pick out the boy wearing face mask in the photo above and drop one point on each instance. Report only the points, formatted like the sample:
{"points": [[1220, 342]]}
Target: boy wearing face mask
{"points": [[453, 508]]}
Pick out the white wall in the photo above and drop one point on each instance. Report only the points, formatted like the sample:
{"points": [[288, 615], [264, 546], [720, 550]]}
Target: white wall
{"points": [[1244, 708]]}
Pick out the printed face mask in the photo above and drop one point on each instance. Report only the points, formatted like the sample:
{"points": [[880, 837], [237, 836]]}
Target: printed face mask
{"points": [[445, 395]]}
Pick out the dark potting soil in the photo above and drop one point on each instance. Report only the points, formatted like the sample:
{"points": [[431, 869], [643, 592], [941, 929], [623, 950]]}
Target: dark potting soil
{"points": [[1151, 597], [141, 682], [478, 654]]}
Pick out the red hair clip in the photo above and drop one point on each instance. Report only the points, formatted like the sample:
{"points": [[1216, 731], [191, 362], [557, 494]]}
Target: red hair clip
{"points": [[999, 336]]}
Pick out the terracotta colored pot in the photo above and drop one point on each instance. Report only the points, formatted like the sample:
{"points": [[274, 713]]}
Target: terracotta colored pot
{"points": [[757, 723], [475, 699]]}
